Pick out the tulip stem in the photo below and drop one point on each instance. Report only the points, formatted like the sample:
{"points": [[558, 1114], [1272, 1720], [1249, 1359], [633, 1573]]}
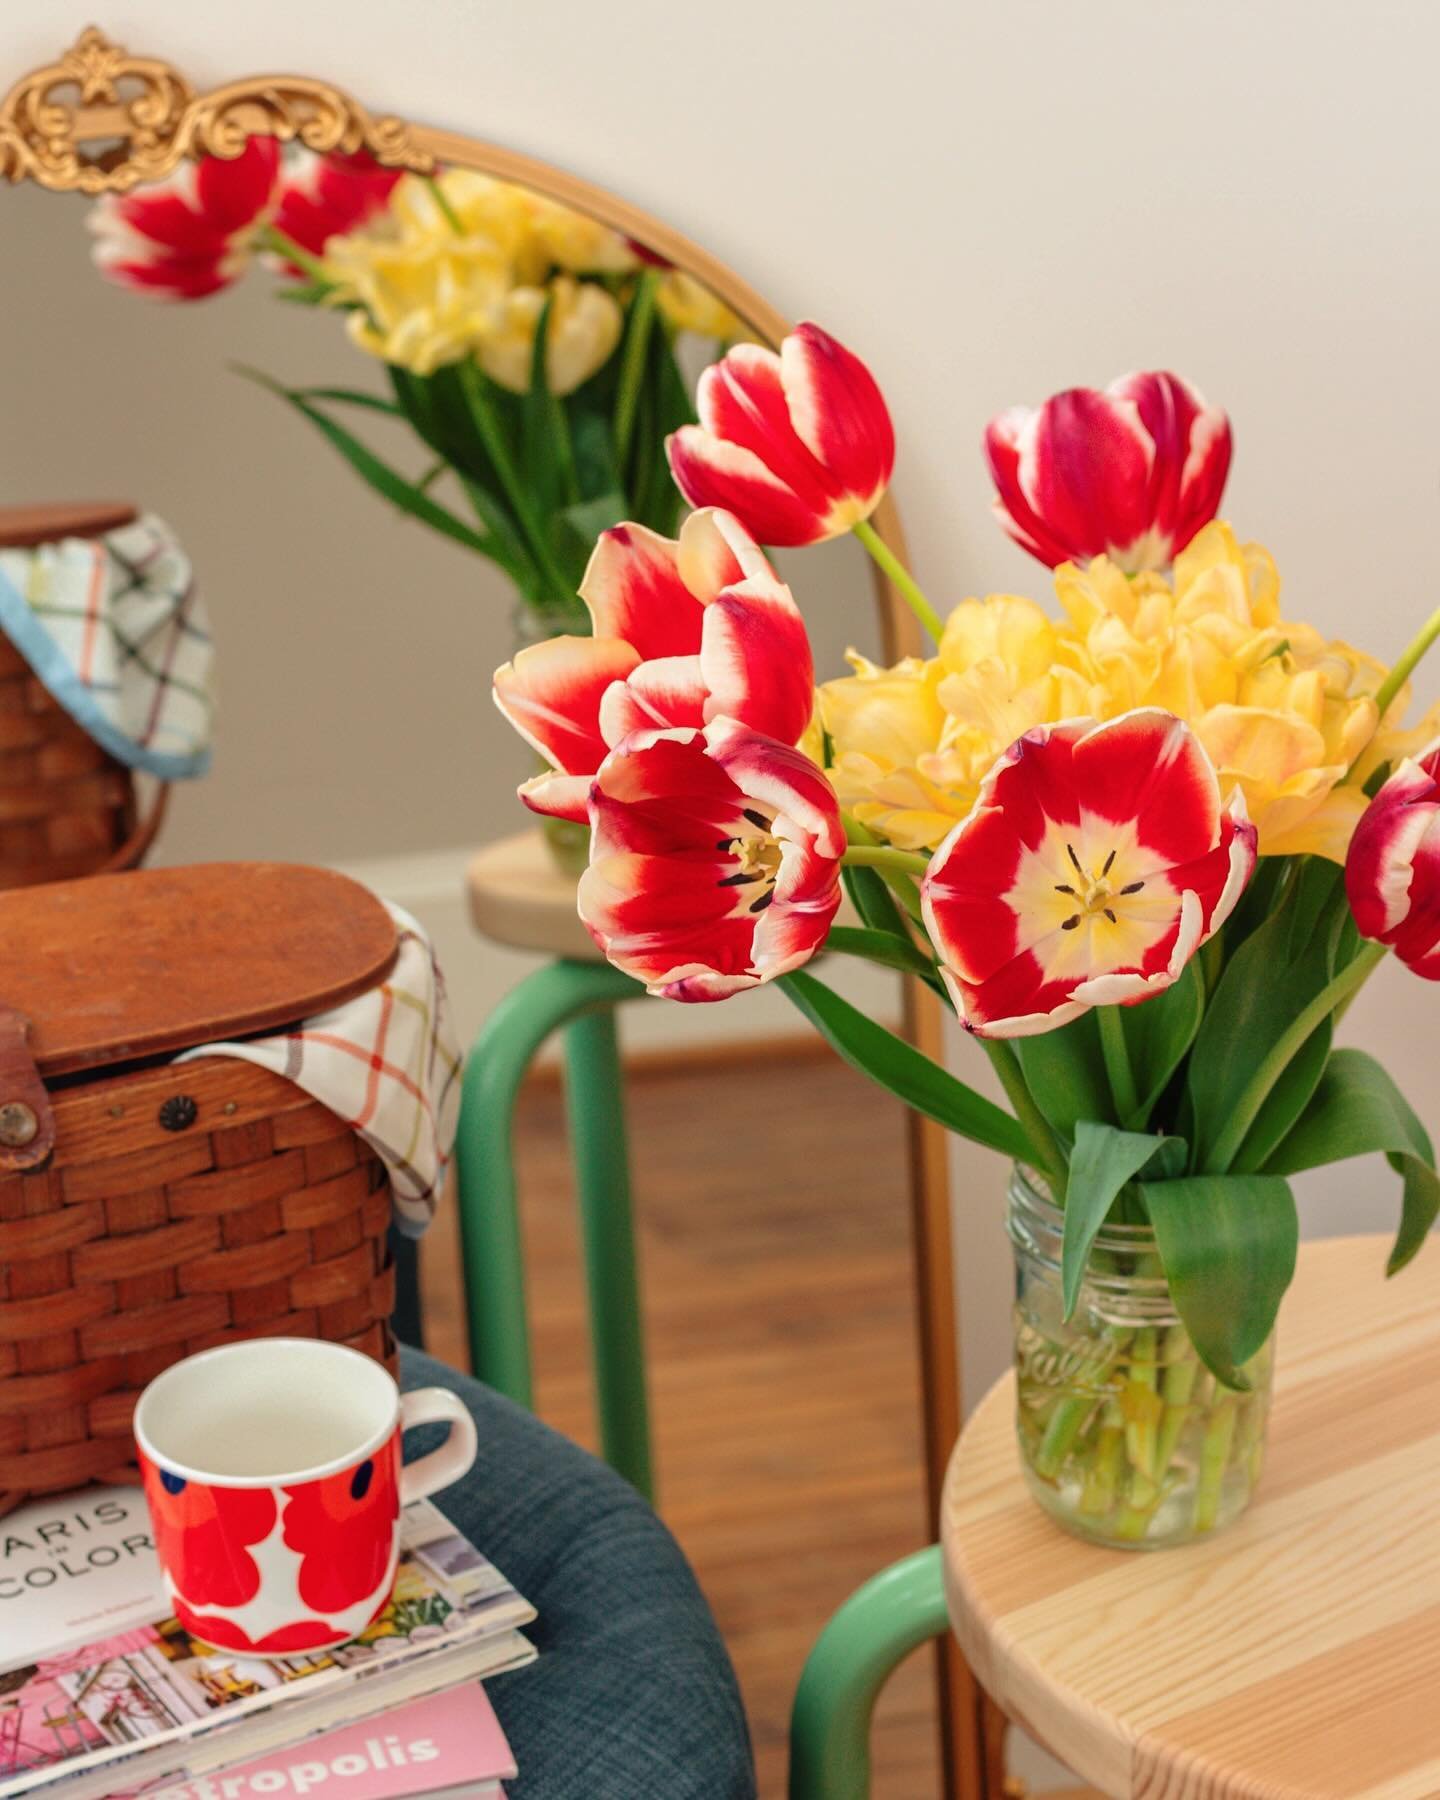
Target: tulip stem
{"points": [[447, 211], [1398, 676], [632, 363], [284, 245], [901, 578], [1117, 1066], [1049, 1157], [1277, 1059], [884, 856]]}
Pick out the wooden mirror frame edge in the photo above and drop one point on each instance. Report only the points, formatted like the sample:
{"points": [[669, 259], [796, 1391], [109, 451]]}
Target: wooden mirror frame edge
{"points": [[41, 139]]}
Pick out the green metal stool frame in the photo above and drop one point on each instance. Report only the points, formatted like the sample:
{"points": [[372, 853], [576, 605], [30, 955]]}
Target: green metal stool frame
{"points": [[865, 1641], [578, 998]]}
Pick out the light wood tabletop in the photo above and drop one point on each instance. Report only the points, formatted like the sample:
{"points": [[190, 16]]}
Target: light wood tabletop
{"points": [[1297, 1653]]}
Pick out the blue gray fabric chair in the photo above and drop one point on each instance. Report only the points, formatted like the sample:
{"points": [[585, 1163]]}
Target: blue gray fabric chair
{"points": [[633, 1697]]}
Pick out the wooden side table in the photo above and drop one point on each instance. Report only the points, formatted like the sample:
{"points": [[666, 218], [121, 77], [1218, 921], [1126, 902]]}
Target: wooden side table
{"points": [[1296, 1654]]}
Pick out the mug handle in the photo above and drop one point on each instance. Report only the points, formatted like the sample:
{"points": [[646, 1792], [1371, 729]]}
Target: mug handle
{"points": [[437, 1406]]}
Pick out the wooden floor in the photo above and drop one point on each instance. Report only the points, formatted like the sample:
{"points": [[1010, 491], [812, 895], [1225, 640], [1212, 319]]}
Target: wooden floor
{"points": [[771, 1201]]}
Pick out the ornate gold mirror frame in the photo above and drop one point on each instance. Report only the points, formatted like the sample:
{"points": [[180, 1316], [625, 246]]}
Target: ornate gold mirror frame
{"points": [[100, 120]]}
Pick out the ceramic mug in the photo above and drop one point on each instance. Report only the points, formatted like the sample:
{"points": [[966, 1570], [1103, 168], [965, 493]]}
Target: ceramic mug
{"points": [[274, 1477]]}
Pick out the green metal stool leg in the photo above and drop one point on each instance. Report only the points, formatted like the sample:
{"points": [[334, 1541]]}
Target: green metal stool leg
{"points": [[484, 1159], [595, 1096], [864, 1643]]}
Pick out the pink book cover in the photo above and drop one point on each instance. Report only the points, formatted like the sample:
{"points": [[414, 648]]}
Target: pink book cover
{"points": [[447, 1741]]}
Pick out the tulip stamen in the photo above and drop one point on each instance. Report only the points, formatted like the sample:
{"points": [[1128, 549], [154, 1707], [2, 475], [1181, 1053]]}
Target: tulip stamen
{"points": [[1079, 869], [757, 819], [1110, 915], [1070, 923], [1133, 888], [741, 880], [764, 900], [1064, 887], [1109, 864]]}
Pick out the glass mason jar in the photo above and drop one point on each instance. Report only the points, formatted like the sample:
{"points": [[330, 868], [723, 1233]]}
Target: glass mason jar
{"points": [[1125, 1436]]}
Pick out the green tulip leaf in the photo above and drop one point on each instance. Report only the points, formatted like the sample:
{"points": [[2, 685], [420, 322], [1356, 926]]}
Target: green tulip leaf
{"points": [[1356, 1108], [1158, 1032], [1065, 1073], [1103, 1162], [905, 1071], [885, 948], [1228, 1245]]}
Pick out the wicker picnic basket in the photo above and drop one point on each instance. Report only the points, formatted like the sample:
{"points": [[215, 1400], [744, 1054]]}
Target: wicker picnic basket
{"points": [[150, 1209], [67, 807]]}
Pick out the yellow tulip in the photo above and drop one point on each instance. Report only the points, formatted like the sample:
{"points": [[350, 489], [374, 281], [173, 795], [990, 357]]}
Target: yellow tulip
{"points": [[688, 305], [881, 723], [573, 241], [460, 204], [414, 304], [585, 326], [1287, 715], [1282, 711]]}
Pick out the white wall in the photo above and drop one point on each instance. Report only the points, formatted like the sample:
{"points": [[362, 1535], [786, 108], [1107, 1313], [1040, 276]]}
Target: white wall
{"points": [[994, 201]]}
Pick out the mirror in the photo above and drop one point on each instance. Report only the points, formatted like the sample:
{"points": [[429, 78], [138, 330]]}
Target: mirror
{"points": [[356, 641]]}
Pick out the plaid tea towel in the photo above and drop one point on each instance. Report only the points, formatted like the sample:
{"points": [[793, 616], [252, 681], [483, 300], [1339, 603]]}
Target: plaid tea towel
{"points": [[114, 628], [386, 1063]]}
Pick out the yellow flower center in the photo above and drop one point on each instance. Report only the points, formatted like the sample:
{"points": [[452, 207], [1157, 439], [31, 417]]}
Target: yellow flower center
{"points": [[1089, 899], [759, 860]]}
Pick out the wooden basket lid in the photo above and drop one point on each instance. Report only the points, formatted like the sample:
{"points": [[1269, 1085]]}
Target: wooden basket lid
{"points": [[119, 967], [23, 527]]}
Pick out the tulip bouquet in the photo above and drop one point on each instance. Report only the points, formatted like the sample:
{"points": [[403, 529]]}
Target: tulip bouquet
{"points": [[531, 350], [1149, 847]]}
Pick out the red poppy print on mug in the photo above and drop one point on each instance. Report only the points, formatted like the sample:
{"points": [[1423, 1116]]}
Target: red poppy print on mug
{"points": [[275, 1480]]}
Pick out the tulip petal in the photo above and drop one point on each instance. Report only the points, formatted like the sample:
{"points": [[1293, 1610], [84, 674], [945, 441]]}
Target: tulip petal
{"points": [[715, 552], [1380, 868], [668, 691], [755, 659], [742, 400], [711, 472], [1192, 452], [1148, 767], [552, 693], [634, 591], [838, 412], [1092, 866], [714, 860]]}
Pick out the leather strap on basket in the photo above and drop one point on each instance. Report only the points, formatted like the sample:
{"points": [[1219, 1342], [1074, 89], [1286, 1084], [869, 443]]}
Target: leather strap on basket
{"points": [[136, 847], [27, 1125]]}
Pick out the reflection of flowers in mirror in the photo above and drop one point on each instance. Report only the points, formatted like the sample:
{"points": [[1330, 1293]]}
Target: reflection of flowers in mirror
{"points": [[532, 349]]}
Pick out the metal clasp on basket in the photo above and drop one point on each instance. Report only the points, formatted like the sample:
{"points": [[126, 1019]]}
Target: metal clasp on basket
{"points": [[27, 1125]]}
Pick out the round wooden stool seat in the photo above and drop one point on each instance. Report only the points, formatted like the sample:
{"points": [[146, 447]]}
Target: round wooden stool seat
{"points": [[1296, 1654], [519, 897]]}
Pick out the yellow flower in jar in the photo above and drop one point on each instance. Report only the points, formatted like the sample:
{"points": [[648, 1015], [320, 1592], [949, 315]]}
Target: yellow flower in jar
{"points": [[1282, 712], [881, 723], [585, 325]]}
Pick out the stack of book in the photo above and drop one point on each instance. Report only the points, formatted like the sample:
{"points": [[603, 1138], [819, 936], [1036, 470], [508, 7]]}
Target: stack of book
{"points": [[103, 1695]]}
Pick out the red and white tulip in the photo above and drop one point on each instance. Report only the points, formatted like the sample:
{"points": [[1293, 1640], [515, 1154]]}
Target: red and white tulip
{"points": [[798, 445], [685, 631], [194, 232], [714, 860], [1096, 861], [321, 197], [1131, 472], [1392, 872]]}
